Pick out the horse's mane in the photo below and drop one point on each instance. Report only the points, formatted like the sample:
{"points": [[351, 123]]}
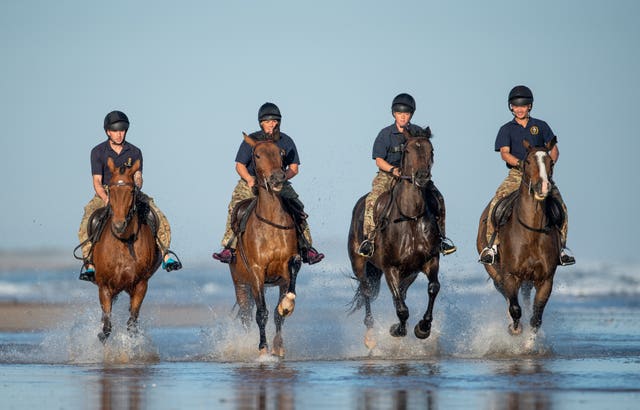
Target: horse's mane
{"points": [[418, 132]]}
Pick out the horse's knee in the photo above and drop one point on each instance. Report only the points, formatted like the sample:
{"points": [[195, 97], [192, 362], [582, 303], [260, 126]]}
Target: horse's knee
{"points": [[434, 288], [515, 311]]}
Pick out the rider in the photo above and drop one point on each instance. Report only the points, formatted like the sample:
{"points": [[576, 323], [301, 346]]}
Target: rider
{"points": [[269, 119], [387, 152], [509, 144], [116, 125]]}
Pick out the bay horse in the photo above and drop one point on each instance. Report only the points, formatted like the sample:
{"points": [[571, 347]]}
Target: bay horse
{"points": [[126, 255], [529, 248], [407, 241], [267, 250]]}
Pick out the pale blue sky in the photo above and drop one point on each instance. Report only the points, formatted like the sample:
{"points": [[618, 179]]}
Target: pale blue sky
{"points": [[191, 76]]}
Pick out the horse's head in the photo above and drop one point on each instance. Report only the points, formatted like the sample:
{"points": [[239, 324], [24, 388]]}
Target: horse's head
{"points": [[122, 195], [538, 169], [267, 157], [417, 157]]}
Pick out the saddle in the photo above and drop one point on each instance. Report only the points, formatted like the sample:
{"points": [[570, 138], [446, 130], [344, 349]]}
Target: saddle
{"points": [[504, 208], [98, 220], [293, 206]]}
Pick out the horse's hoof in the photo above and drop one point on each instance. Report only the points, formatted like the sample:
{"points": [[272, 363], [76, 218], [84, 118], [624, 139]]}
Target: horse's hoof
{"points": [[278, 352], [515, 331], [287, 304], [103, 337], [420, 332], [264, 352], [369, 340], [397, 330]]}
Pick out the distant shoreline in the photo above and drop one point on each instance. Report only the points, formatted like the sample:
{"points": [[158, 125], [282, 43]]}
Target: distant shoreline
{"points": [[24, 317]]}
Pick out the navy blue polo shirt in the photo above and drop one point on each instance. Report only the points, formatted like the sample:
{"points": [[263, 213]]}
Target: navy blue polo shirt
{"points": [[245, 152], [388, 144], [99, 154], [511, 135]]}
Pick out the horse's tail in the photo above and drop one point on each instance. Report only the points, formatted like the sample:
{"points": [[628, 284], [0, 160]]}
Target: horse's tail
{"points": [[368, 288]]}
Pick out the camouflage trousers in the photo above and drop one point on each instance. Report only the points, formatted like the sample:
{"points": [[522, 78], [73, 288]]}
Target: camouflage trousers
{"points": [[164, 230], [382, 183], [242, 192], [512, 183]]}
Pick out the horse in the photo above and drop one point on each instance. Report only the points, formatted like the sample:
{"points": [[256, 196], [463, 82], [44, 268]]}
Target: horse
{"points": [[407, 241], [126, 255], [267, 250], [529, 248]]}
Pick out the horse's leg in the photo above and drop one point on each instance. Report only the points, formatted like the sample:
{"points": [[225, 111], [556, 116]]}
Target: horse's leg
{"points": [[510, 288], [262, 314], [398, 293], [278, 318], [106, 300], [287, 300], [244, 303], [543, 291], [136, 298], [423, 328]]}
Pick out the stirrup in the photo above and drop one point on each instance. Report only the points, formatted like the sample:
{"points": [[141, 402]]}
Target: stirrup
{"points": [[566, 258], [446, 246], [366, 248], [88, 274], [171, 264], [488, 256]]}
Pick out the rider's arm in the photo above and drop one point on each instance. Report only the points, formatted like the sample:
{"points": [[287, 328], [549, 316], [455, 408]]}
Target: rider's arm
{"points": [[100, 191], [383, 165], [505, 153], [242, 170], [291, 171]]}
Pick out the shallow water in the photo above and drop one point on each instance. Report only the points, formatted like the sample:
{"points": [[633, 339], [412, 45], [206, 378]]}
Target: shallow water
{"points": [[587, 354]]}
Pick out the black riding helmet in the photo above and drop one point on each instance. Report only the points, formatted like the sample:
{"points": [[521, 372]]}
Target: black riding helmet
{"points": [[269, 111], [116, 121], [520, 95], [403, 103]]}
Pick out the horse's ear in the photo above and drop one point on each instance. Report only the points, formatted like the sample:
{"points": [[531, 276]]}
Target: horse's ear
{"points": [[136, 167], [248, 139], [427, 132], [551, 143], [111, 165], [526, 144]]}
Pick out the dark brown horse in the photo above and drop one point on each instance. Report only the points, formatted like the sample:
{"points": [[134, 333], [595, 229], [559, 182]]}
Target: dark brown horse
{"points": [[529, 248], [407, 241], [267, 251], [126, 256]]}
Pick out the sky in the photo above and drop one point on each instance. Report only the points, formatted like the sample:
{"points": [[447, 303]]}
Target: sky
{"points": [[191, 76]]}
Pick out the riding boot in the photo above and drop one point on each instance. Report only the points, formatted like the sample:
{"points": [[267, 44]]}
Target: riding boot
{"points": [[225, 256], [311, 255], [87, 272], [171, 263], [566, 258], [435, 203]]}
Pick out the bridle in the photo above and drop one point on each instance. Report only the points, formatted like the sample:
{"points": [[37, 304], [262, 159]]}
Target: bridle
{"points": [[133, 208], [414, 181], [531, 191]]}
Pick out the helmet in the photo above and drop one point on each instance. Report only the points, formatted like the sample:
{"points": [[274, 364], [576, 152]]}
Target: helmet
{"points": [[116, 121], [269, 111], [520, 95], [403, 103]]}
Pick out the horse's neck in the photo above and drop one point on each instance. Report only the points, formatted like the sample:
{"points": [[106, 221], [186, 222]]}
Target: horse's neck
{"points": [[529, 210], [409, 198], [270, 205]]}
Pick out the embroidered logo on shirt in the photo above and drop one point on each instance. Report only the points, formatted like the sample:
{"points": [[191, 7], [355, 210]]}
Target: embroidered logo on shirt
{"points": [[534, 130]]}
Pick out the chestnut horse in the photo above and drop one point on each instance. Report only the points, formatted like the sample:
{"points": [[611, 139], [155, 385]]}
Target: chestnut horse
{"points": [[529, 248], [407, 241], [126, 256], [267, 250]]}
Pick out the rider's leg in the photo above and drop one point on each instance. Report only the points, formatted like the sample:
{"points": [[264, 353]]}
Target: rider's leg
{"points": [[381, 183], [309, 254], [566, 258], [163, 238], [509, 184], [435, 202], [88, 271], [240, 193]]}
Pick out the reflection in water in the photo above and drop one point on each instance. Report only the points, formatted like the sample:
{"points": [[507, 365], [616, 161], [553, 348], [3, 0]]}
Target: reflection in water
{"points": [[265, 386], [529, 372], [399, 386], [122, 387]]}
